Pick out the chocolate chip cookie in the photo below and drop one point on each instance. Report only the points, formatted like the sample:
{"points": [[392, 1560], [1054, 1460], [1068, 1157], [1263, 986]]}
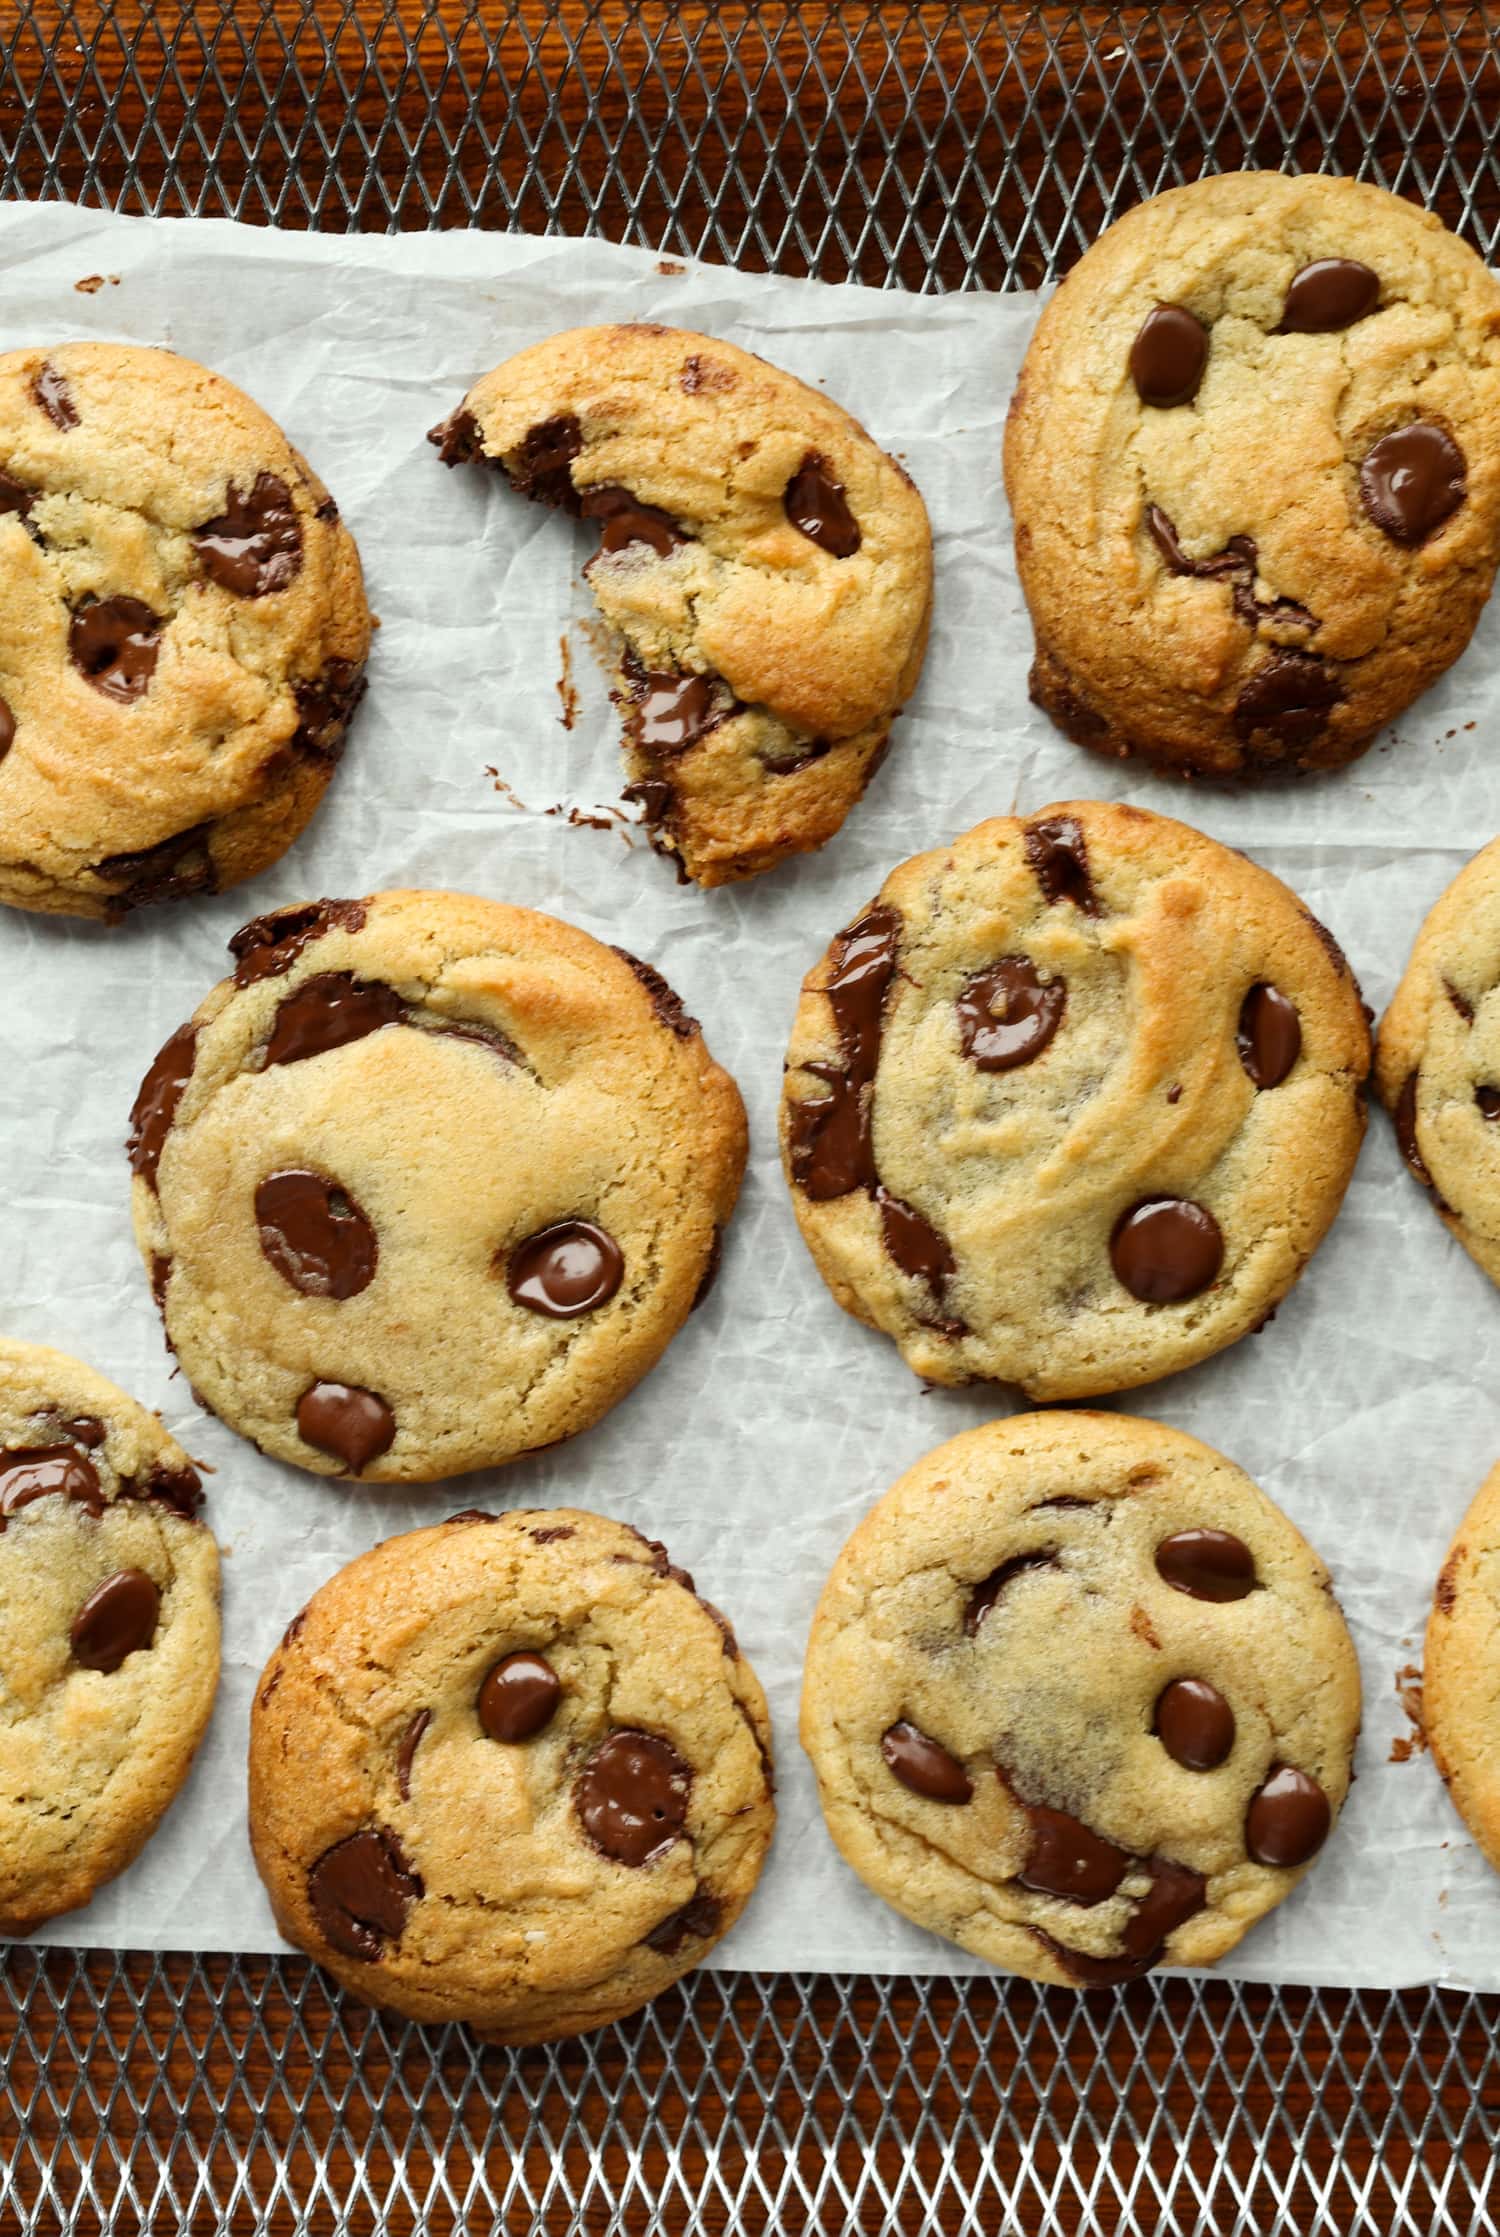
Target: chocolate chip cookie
{"points": [[1080, 1698], [1461, 1669], [1437, 1059], [1073, 1102], [1254, 464], [764, 569], [511, 1771], [428, 1182], [183, 631], [110, 1654]]}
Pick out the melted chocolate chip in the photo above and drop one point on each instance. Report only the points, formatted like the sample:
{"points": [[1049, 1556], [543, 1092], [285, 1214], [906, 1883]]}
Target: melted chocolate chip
{"points": [[177, 1488], [519, 1697], [538, 468], [830, 1143], [1411, 481], [1168, 356], [1291, 696], [329, 1011], [457, 439], [1058, 854], [1238, 564], [1008, 1014], [1269, 1037], [710, 1272], [360, 1891], [1068, 1859], [15, 497], [696, 1921], [913, 1242], [1167, 1249], [1460, 1001], [1328, 295], [268, 946], [325, 703], [155, 1106], [1405, 1119], [987, 1592], [173, 870], [1208, 1564], [632, 1796], [7, 728], [84, 1429], [254, 546], [669, 712], [627, 521], [113, 643], [653, 796], [117, 1619], [1194, 1723], [665, 1000], [51, 391], [572, 1268], [924, 1765], [1288, 1818], [37, 1472], [814, 503], [543, 1537], [355, 1426], [315, 1235], [411, 1740], [1175, 1894], [1488, 1101]]}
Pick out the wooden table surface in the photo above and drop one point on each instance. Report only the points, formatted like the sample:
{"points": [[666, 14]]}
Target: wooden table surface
{"points": [[883, 142]]}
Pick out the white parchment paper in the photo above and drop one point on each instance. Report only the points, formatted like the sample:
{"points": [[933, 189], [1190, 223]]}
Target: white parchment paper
{"points": [[1370, 1409]]}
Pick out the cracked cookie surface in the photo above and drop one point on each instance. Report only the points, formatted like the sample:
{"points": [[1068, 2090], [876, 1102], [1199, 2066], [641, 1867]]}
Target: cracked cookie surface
{"points": [[1254, 465], [1437, 1061], [110, 1656], [1080, 1698], [1461, 1669], [1073, 1102], [510, 1770], [765, 571], [183, 631], [429, 1182]]}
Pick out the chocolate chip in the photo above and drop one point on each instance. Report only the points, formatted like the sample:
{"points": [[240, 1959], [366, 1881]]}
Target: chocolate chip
{"points": [[15, 497], [1008, 1014], [1194, 1723], [254, 546], [117, 1618], [329, 1011], [1239, 556], [50, 390], [1168, 356], [314, 1234], [1058, 854], [519, 1697], [356, 1426], [325, 704], [913, 1242], [803, 756], [7, 728], [987, 1592], [1208, 1564], [632, 1796], [665, 1001], [1167, 1249], [1328, 295], [1405, 1120], [627, 521], [538, 468], [830, 1147], [1291, 696], [814, 502], [38, 1471], [1068, 1859], [173, 870], [653, 796], [1488, 1100], [458, 439], [411, 1740], [546, 1537], [86, 1430], [669, 712], [1288, 1818], [1412, 480], [699, 373], [113, 643], [155, 1107], [1269, 1037], [268, 946], [696, 1921], [710, 1272], [1460, 1001], [924, 1765], [572, 1268], [1176, 1893], [177, 1488], [360, 1891]]}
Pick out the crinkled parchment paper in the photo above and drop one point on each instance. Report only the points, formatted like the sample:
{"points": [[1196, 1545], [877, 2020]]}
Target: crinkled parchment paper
{"points": [[1367, 1408]]}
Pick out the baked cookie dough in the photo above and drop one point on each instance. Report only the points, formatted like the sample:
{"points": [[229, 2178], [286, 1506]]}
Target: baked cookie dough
{"points": [[1073, 1102], [1437, 1059], [428, 1182], [109, 1652], [183, 631], [510, 1771], [764, 569], [1080, 1698], [1461, 1669], [1254, 465]]}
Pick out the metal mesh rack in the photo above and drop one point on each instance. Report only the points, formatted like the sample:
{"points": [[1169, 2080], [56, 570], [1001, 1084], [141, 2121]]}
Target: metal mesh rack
{"points": [[916, 146]]}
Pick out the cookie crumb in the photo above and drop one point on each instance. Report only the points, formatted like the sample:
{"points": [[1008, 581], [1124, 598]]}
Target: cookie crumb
{"points": [[1409, 1694]]}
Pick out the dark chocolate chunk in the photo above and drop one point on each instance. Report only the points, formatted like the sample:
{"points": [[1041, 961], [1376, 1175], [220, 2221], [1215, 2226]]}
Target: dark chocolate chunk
{"points": [[1208, 1564], [38, 1471], [653, 796], [117, 1619], [1168, 356], [1328, 295], [50, 390], [913, 1242], [458, 440], [15, 497], [1288, 1818], [1269, 1037], [254, 546], [1058, 854], [695, 1921], [411, 1740], [155, 1106], [632, 1796], [830, 1144], [325, 703], [1176, 1893], [1291, 696], [1488, 1101], [1068, 1859], [7, 728], [1194, 1723], [329, 1011], [356, 1426], [86, 1430], [177, 1488], [1167, 1249], [113, 642], [626, 521], [519, 1697], [173, 870], [538, 467], [572, 1268], [1412, 480], [1404, 1118], [668, 712], [315, 1234], [982, 1599], [1238, 564], [268, 946], [665, 1000], [814, 502], [360, 1891], [924, 1764], [1008, 1013]]}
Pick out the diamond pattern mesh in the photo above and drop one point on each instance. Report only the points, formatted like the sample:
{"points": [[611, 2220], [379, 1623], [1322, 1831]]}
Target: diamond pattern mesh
{"points": [[918, 146]]}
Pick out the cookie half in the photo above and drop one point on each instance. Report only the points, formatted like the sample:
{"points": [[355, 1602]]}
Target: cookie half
{"points": [[1437, 1059], [765, 571], [1080, 1698], [110, 1655], [1254, 465], [1461, 1669], [1073, 1102], [183, 631], [510, 1771], [429, 1182]]}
